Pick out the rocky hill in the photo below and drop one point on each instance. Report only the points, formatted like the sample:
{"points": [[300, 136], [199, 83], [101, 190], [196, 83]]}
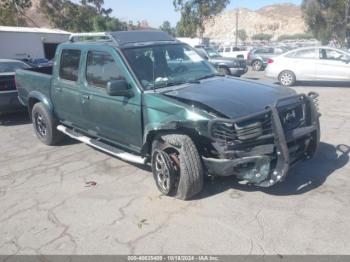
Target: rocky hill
{"points": [[35, 17], [277, 20]]}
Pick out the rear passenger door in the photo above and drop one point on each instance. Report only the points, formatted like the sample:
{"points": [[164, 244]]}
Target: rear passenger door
{"points": [[117, 119], [333, 65], [65, 91]]}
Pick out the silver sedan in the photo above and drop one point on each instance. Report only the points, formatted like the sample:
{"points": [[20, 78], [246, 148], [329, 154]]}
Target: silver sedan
{"points": [[310, 64]]}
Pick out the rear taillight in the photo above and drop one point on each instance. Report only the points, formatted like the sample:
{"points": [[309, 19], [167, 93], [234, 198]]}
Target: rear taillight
{"points": [[14, 81], [269, 61], [249, 56]]}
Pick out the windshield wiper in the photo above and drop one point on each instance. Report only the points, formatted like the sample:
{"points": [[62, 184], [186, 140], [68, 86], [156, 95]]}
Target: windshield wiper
{"points": [[208, 76]]}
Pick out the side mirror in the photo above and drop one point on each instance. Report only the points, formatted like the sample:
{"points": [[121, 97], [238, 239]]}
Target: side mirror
{"points": [[119, 88]]}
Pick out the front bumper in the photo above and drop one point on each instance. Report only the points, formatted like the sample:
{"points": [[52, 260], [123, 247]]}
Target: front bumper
{"points": [[9, 102], [269, 163]]}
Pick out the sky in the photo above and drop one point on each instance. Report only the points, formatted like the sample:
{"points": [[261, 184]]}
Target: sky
{"points": [[157, 11]]}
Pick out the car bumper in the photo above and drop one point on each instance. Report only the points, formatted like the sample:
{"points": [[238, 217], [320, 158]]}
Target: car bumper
{"points": [[9, 102], [275, 159], [238, 71]]}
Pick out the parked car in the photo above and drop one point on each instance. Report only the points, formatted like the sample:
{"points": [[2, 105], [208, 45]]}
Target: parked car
{"points": [[310, 64], [258, 58], [8, 93], [225, 65], [146, 97], [234, 52]]}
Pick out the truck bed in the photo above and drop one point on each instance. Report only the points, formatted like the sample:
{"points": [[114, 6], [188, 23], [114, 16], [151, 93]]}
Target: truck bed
{"points": [[33, 81]]}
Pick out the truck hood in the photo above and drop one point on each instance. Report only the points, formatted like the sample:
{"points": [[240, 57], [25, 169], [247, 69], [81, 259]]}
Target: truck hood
{"points": [[231, 97]]}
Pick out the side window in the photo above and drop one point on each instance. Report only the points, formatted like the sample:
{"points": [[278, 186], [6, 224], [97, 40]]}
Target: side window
{"points": [[227, 49], [306, 53], [220, 50], [69, 65], [101, 68], [330, 54]]}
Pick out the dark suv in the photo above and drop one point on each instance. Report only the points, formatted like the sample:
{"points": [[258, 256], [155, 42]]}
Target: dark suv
{"points": [[225, 65], [258, 57]]}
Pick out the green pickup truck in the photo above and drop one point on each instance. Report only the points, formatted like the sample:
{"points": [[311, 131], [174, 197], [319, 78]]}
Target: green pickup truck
{"points": [[145, 97]]}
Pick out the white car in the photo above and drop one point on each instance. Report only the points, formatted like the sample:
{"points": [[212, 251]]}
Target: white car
{"points": [[234, 52], [310, 64]]}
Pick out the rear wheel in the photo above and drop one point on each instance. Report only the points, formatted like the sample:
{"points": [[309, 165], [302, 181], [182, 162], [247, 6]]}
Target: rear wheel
{"points": [[45, 125], [176, 166], [257, 65], [287, 78]]}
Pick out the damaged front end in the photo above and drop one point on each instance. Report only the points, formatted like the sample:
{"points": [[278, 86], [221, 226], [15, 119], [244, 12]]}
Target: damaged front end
{"points": [[260, 148]]}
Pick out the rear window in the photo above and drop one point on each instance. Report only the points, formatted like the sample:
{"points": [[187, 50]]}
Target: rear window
{"points": [[264, 51], [69, 67], [9, 67], [306, 53]]}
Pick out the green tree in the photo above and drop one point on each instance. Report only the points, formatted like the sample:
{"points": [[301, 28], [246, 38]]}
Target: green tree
{"points": [[296, 37], [326, 19], [242, 35], [166, 27], [262, 37], [12, 12], [194, 13], [82, 17]]}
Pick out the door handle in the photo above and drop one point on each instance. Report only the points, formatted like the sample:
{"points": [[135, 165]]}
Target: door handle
{"points": [[58, 89]]}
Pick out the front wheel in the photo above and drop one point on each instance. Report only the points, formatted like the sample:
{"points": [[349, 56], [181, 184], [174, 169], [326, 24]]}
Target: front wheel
{"points": [[224, 71], [177, 166], [287, 78]]}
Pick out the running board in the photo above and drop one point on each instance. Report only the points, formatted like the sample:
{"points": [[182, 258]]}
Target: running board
{"points": [[102, 146]]}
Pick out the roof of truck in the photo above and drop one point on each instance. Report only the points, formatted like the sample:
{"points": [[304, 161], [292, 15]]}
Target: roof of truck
{"points": [[126, 38]]}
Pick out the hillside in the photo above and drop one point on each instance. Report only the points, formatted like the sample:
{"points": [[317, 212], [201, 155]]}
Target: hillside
{"points": [[279, 19], [36, 17]]}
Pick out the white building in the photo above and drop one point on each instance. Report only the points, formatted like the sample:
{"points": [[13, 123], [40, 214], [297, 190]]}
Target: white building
{"points": [[30, 42]]}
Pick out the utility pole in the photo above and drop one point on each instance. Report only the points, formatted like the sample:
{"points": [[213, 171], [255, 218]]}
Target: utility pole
{"points": [[347, 24], [237, 13]]}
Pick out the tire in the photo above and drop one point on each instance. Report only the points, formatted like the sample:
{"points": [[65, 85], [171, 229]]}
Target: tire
{"points": [[287, 78], [224, 71], [45, 125], [188, 169], [257, 65]]}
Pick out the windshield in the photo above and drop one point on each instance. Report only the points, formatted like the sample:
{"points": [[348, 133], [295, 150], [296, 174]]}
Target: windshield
{"points": [[166, 65], [212, 53], [7, 67]]}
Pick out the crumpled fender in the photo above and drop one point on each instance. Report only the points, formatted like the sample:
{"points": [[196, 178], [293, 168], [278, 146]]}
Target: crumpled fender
{"points": [[163, 114]]}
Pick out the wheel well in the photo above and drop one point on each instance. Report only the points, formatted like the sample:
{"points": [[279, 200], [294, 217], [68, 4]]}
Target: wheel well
{"points": [[199, 141], [256, 60], [32, 101]]}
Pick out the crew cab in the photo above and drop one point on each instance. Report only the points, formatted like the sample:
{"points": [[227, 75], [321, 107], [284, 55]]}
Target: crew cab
{"points": [[144, 97]]}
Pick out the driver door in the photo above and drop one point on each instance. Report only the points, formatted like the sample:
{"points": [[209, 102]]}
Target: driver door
{"points": [[333, 65], [116, 119]]}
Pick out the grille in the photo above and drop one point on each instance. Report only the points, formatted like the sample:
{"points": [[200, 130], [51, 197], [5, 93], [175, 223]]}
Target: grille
{"points": [[242, 131]]}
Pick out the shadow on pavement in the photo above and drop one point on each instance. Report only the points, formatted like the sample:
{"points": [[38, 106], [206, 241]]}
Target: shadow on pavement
{"points": [[20, 118], [303, 178]]}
